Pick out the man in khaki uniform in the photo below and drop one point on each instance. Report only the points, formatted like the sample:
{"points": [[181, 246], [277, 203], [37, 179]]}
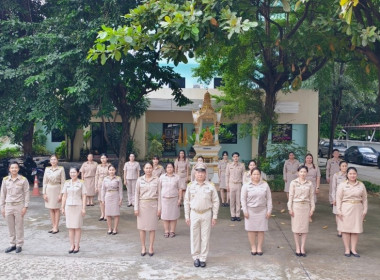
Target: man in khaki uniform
{"points": [[201, 212], [14, 202], [332, 167], [234, 179]]}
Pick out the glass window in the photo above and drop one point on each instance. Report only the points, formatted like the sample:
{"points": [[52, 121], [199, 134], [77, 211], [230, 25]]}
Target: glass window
{"points": [[282, 133]]}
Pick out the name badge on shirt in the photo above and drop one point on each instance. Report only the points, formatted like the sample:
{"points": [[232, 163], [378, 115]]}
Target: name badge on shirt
{"points": [[192, 191], [206, 190]]}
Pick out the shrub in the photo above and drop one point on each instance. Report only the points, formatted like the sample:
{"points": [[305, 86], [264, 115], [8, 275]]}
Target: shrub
{"points": [[371, 187], [155, 149], [277, 184], [10, 152], [39, 150], [60, 151]]}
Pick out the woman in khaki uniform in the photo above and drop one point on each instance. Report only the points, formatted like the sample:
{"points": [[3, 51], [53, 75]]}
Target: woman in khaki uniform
{"points": [[158, 169], [100, 174], [352, 206], [170, 200], [256, 202], [313, 175], [338, 178], [74, 208], [147, 207], [247, 174], [182, 165], [290, 171], [112, 197], [131, 173], [88, 171], [54, 179], [222, 165], [301, 207]]}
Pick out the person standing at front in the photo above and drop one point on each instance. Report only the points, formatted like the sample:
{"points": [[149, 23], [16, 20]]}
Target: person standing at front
{"points": [[352, 207], [54, 179], [222, 165], [201, 212], [131, 173], [147, 207], [112, 197], [313, 175], [234, 178], [200, 159], [74, 208], [88, 171], [14, 202], [101, 173], [332, 167], [256, 201], [170, 200], [290, 171], [301, 207]]}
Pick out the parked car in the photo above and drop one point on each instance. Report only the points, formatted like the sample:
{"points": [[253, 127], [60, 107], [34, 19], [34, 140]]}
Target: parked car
{"points": [[378, 161], [361, 155], [324, 148]]}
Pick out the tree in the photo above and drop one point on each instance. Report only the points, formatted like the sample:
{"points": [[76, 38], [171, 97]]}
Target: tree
{"points": [[281, 52]]}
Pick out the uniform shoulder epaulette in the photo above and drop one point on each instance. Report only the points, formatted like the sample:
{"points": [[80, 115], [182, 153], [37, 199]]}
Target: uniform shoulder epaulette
{"points": [[189, 183], [22, 177], [68, 180], [160, 166], [212, 183], [81, 180], [6, 178]]}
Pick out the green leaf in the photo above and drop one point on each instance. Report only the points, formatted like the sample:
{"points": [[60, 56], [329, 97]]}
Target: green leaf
{"points": [[103, 59], [117, 55], [194, 30], [285, 5]]}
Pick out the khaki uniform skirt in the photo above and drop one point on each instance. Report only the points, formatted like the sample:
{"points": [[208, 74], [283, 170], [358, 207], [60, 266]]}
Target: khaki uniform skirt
{"points": [[170, 210], [74, 218], [53, 192], [182, 181], [257, 220], [89, 184], [147, 218], [352, 218], [112, 207], [300, 221]]}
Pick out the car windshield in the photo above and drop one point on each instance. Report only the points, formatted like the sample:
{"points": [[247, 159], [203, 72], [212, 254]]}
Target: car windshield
{"points": [[340, 145], [366, 150]]}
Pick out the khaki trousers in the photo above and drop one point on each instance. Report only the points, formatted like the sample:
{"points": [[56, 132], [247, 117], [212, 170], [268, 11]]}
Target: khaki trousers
{"points": [[200, 228], [131, 187], [15, 224], [235, 190], [331, 199]]}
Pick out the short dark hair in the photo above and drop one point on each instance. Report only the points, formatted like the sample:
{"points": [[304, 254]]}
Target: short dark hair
{"points": [[342, 161], [225, 153], [335, 150], [14, 162], [254, 169], [303, 167], [75, 168], [236, 153]]}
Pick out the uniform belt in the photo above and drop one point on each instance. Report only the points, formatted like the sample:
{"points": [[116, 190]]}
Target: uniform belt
{"points": [[14, 203], [202, 211], [237, 182], [302, 202], [112, 190], [149, 199], [353, 201]]}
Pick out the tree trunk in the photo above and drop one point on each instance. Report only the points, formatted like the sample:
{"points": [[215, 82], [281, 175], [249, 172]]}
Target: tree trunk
{"points": [[72, 139], [125, 133], [27, 139], [266, 121]]}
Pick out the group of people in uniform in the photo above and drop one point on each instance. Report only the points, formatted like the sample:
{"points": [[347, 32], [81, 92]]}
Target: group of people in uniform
{"points": [[159, 193]]}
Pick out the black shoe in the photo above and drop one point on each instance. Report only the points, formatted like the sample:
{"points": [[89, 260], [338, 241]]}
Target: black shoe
{"points": [[233, 218], [151, 254], [76, 251], [253, 253], [203, 264], [129, 205], [197, 263], [298, 254], [355, 255], [114, 232], [18, 249], [303, 255], [339, 235], [10, 249], [143, 254], [101, 219], [71, 251], [260, 253], [238, 219], [109, 232], [50, 231], [105, 220], [347, 255], [227, 204], [55, 232]]}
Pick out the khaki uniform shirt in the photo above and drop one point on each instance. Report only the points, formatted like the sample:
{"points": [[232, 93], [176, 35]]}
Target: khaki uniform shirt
{"points": [[147, 190], [14, 191], [256, 195], [88, 169], [169, 186], [332, 167], [131, 170], [181, 167], [112, 185], [158, 171], [290, 168], [351, 193], [235, 173], [74, 192], [200, 198], [301, 192], [53, 177], [100, 174], [338, 178]]}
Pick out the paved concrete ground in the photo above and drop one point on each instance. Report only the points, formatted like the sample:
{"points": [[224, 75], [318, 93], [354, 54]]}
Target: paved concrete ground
{"points": [[102, 256]]}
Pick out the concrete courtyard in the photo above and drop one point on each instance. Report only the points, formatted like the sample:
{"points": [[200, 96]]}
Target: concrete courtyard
{"points": [[103, 256]]}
